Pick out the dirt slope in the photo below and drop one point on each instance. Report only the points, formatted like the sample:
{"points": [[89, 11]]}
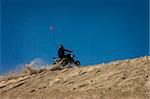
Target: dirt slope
{"points": [[126, 79]]}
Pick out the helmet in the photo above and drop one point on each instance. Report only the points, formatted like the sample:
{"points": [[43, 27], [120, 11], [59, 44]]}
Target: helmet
{"points": [[60, 45]]}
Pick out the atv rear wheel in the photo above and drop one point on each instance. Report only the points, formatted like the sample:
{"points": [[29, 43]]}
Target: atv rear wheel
{"points": [[64, 63]]}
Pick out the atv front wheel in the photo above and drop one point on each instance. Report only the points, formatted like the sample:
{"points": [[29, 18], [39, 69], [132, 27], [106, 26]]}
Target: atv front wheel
{"points": [[77, 63]]}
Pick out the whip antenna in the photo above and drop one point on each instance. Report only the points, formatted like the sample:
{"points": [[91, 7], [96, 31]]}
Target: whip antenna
{"points": [[52, 30]]}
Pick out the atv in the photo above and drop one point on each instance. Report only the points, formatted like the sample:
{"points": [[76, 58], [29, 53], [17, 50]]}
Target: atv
{"points": [[67, 61]]}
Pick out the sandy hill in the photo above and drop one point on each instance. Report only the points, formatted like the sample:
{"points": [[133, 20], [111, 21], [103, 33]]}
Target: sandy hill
{"points": [[125, 79]]}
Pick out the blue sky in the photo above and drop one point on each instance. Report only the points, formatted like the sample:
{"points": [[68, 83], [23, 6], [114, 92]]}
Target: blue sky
{"points": [[98, 31]]}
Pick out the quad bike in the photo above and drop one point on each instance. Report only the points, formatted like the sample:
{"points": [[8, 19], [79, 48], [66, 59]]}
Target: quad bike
{"points": [[68, 60]]}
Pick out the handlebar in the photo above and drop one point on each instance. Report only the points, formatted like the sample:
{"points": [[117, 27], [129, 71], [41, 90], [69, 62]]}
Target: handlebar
{"points": [[66, 52]]}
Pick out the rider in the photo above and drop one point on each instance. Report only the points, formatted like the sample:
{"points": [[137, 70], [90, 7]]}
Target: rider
{"points": [[61, 51]]}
